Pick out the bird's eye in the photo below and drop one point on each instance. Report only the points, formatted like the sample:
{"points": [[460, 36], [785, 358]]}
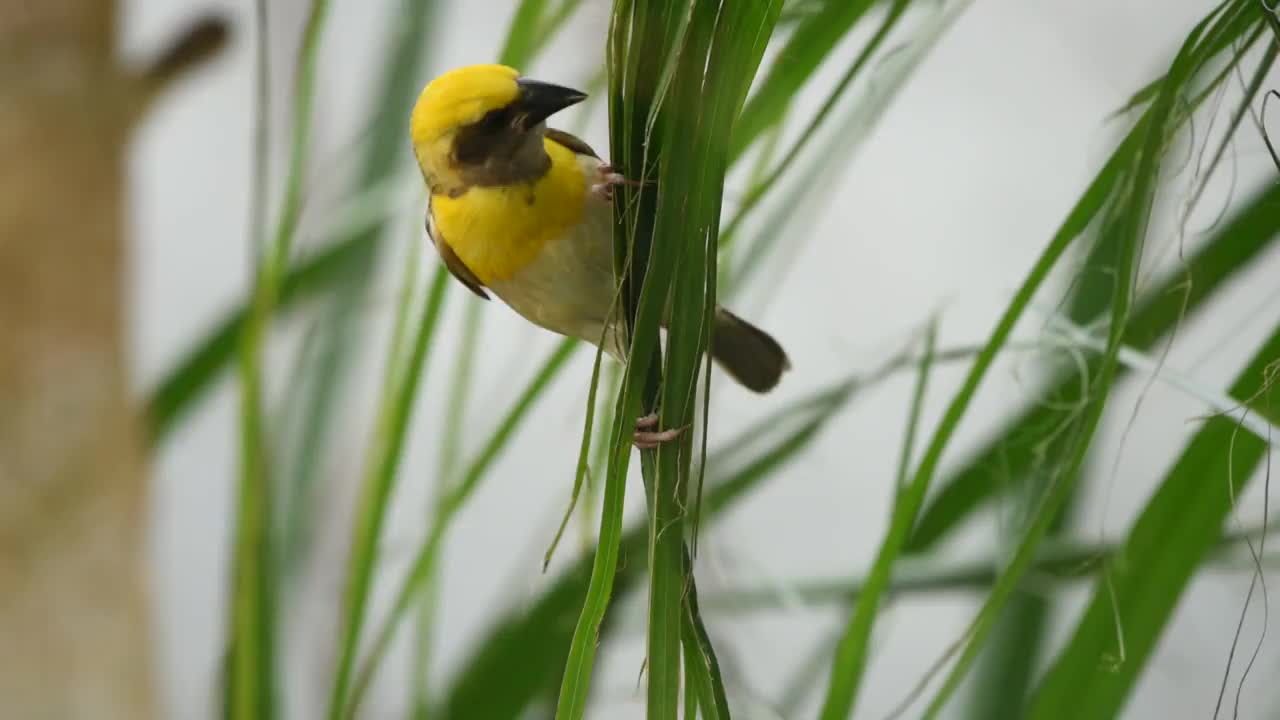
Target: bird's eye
{"points": [[495, 120]]}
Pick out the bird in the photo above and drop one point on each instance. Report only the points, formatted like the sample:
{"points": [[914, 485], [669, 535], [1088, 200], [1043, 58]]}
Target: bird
{"points": [[525, 212]]}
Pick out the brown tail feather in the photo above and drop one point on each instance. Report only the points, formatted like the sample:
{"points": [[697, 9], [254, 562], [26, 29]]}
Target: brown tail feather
{"points": [[747, 353]]}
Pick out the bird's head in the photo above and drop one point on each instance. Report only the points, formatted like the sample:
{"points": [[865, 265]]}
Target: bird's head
{"points": [[483, 125]]}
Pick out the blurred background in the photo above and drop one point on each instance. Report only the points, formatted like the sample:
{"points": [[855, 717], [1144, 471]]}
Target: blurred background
{"points": [[935, 204]]}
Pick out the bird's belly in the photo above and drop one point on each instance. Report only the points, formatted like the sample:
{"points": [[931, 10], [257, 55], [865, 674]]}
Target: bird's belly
{"points": [[569, 287]]}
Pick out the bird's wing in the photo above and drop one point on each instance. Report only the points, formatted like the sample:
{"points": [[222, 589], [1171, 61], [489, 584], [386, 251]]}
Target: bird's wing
{"points": [[571, 141], [456, 267]]}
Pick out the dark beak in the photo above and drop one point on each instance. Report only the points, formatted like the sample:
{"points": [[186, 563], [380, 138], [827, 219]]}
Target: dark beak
{"points": [[539, 101]]}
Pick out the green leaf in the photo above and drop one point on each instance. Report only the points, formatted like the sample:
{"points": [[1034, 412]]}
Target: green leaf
{"points": [[530, 645], [917, 405], [813, 40], [532, 27], [851, 652], [340, 315], [1014, 448], [386, 151], [688, 207], [701, 665], [1128, 221], [1059, 561], [424, 564], [680, 82], [580, 474], [807, 192], [1014, 649], [392, 425], [759, 189], [1139, 590], [641, 40], [177, 393], [252, 689]]}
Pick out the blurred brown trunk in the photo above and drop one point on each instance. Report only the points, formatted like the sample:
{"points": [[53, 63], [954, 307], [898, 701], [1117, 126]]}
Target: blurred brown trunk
{"points": [[74, 616]]}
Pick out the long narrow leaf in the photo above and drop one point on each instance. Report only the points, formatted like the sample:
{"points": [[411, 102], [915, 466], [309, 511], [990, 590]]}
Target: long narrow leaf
{"points": [[424, 564], [252, 679], [851, 652], [393, 422], [1011, 655], [641, 38], [1172, 536], [1130, 221], [531, 644], [1160, 311], [811, 43]]}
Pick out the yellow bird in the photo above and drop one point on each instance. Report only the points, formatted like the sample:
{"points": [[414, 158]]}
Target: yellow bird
{"points": [[526, 212]]}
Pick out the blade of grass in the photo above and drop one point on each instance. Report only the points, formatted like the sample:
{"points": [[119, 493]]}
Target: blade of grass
{"points": [[851, 652], [1236, 17], [450, 452], [1005, 673], [587, 524], [236, 698], [690, 694], [812, 42], [1129, 222], [530, 646], [757, 191], [580, 475], [763, 160], [701, 663], [1058, 562], [682, 203], [1230, 251], [392, 425], [807, 194], [252, 679], [638, 47], [177, 393], [532, 28], [917, 405], [1162, 309], [721, 48], [1172, 536], [342, 311], [428, 554]]}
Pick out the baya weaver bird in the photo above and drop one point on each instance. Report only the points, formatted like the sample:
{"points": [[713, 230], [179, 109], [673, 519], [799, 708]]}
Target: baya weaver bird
{"points": [[526, 212]]}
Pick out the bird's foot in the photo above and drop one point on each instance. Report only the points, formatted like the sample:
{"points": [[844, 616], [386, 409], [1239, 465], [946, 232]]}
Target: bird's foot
{"points": [[607, 180], [647, 439]]}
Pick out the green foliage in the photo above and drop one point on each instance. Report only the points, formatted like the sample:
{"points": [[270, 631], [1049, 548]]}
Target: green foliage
{"points": [[1138, 591], [529, 645], [393, 421], [1020, 630], [1159, 312], [683, 110], [812, 42], [661, 67], [251, 690]]}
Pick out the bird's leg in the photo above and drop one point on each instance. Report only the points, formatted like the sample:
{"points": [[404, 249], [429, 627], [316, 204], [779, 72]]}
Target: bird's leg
{"points": [[646, 439], [608, 178]]}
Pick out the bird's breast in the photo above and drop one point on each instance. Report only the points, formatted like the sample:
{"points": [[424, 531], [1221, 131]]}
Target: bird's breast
{"points": [[496, 231]]}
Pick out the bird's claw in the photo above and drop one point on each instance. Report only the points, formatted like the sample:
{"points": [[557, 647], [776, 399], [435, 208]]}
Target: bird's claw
{"points": [[608, 178], [646, 439]]}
